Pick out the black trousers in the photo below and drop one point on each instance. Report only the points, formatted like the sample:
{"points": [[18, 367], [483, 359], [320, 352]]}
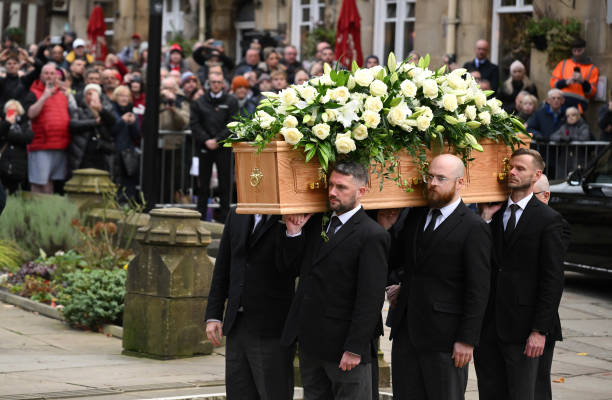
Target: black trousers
{"points": [[257, 367], [324, 380], [222, 158], [503, 371], [427, 375], [543, 390]]}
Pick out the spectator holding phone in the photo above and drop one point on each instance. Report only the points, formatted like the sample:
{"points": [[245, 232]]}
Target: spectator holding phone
{"points": [[47, 108], [15, 134], [127, 136], [576, 77]]}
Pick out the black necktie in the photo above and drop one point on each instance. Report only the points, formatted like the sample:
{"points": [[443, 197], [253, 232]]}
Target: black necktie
{"points": [[511, 224], [435, 213], [333, 226]]}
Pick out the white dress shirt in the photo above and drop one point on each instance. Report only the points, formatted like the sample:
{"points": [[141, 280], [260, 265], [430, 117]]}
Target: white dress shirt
{"points": [[522, 203], [343, 218], [445, 212]]}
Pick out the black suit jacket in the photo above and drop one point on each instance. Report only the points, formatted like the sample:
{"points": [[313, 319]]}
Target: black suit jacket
{"points": [[341, 288], [445, 286], [247, 274], [488, 71], [527, 278]]}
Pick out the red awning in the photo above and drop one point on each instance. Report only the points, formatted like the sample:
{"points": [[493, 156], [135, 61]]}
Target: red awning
{"points": [[95, 32], [348, 35]]}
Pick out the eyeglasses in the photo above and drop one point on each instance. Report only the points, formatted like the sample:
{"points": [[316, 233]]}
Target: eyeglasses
{"points": [[431, 178]]}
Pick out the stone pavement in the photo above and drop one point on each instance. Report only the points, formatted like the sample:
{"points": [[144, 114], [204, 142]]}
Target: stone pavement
{"points": [[43, 358]]}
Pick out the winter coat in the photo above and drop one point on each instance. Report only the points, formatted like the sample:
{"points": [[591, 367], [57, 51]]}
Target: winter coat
{"points": [[14, 139], [544, 122], [210, 116], [16, 87], [511, 88], [84, 128], [568, 133]]}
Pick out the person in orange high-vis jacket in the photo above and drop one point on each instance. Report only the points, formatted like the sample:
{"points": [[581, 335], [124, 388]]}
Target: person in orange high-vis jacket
{"points": [[576, 77]]}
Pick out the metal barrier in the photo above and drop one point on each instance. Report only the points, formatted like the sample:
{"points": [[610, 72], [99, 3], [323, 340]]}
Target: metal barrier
{"points": [[175, 151], [563, 158]]}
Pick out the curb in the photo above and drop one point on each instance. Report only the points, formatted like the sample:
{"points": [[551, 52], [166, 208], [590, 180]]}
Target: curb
{"points": [[50, 312]]}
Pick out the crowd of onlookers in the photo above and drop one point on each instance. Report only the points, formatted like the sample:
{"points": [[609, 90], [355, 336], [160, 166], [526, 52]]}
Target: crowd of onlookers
{"points": [[63, 110]]}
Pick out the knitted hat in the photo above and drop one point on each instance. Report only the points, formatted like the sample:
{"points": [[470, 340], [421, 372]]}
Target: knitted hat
{"points": [[93, 86], [187, 76], [240, 81], [176, 47]]}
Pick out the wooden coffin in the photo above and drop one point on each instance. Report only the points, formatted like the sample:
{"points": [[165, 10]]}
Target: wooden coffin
{"points": [[277, 181]]}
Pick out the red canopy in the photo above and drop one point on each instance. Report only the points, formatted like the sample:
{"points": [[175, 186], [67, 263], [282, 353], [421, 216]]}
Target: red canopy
{"points": [[348, 35], [95, 32]]}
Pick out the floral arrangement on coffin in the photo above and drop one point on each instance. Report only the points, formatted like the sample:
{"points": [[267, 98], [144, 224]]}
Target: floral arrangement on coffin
{"points": [[369, 114]]}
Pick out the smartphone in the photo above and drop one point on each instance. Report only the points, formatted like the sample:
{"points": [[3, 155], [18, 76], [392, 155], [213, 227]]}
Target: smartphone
{"points": [[10, 113], [217, 43], [576, 69]]}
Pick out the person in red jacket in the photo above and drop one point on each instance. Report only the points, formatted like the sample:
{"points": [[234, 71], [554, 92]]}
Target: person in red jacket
{"points": [[48, 112], [576, 77]]}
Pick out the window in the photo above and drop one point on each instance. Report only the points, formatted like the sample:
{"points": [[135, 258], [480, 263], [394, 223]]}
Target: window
{"points": [[506, 26], [394, 28], [304, 17]]}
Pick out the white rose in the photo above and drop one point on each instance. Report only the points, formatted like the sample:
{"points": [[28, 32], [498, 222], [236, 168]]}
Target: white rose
{"points": [[462, 118], [449, 102], [376, 69], [325, 99], [373, 103], [321, 131], [413, 71], [265, 119], [371, 119], [495, 105], [363, 77], [397, 115], [292, 135], [290, 122], [360, 132], [408, 88], [329, 115], [485, 117], [470, 112], [289, 97], [430, 88], [344, 143], [341, 94], [426, 112], [423, 122], [233, 125], [378, 88], [480, 99], [309, 93], [456, 82]]}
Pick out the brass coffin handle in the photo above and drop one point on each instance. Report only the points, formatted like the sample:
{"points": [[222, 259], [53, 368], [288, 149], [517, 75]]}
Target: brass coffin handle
{"points": [[256, 177], [321, 183], [502, 176]]}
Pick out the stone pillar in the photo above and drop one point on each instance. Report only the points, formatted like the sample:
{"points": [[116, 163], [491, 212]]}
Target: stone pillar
{"points": [[87, 188], [167, 287]]}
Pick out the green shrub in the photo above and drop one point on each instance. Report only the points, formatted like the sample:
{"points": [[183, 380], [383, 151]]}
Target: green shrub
{"points": [[11, 256], [91, 298], [64, 262], [39, 222]]}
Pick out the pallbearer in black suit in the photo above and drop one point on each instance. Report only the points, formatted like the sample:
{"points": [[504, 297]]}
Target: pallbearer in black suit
{"points": [[527, 284], [258, 296], [444, 291], [336, 309]]}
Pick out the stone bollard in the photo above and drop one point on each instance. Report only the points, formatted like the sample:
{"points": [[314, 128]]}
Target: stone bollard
{"points": [[87, 188], [167, 287]]}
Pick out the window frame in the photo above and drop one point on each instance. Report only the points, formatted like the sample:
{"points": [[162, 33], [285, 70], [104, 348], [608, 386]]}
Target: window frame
{"points": [[381, 19]]}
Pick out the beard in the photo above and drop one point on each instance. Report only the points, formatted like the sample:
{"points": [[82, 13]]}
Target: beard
{"points": [[341, 207], [436, 198], [519, 185]]}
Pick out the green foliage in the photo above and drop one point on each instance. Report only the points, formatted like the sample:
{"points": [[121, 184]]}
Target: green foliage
{"points": [[319, 34], [186, 44], [91, 298], [39, 222], [63, 262], [11, 256], [559, 36]]}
